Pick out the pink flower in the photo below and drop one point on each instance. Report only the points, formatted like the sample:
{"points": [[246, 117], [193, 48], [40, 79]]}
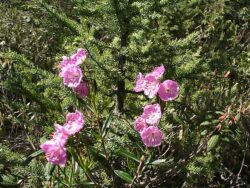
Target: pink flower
{"points": [[65, 62], [69, 69], [79, 57], [72, 76], [139, 124], [139, 86], [55, 151], [152, 114], [74, 123], [157, 72], [75, 59], [151, 136], [168, 90], [151, 85], [60, 134], [82, 89]]}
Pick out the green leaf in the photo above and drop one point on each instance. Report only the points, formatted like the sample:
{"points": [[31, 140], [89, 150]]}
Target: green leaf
{"points": [[160, 161], [212, 143], [8, 181], [148, 159], [205, 123], [100, 158], [204, 132], [49, 170], [87, 184], [124, 175], [32, 156], [106, 125], [127, 154], [215, 121], [10, 185], [76, 157], [219, 112]]}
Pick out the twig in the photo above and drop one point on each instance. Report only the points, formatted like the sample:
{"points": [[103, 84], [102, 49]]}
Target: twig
{"points": [[243, 160], [169, 147], [97, 62], [124, 91], [138, 172]]}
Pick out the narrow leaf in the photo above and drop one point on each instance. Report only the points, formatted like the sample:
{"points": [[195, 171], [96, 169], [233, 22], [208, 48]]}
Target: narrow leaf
{"points": [[212, 143], [32, 156], [160, 161], [106, 125], [127, 154], [49, 170], [124, 175]]}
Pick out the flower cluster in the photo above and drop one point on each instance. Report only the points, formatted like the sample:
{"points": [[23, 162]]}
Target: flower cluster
{"points": [[146, 124], [72, 74], [55, 148], [150, 84]]}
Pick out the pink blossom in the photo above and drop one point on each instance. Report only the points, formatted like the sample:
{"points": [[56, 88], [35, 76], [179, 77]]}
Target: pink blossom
{"points": [[60, 134], [55, 151], [75, 59], [65, 62], [151, 136], [139, 86], [157, 72], [74, 123], [72, 76], [152, 114], [79, 57], [82, 89], [168, 90], [139, 124], [151, 85]]}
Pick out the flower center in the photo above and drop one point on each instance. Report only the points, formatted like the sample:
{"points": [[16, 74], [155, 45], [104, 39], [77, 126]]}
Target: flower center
{"points": [[74, 76], [168, 90], [152, 137]]}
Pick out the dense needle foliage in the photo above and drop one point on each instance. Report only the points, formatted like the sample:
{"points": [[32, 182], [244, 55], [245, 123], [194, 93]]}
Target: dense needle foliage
{"points": [[204, 45]]}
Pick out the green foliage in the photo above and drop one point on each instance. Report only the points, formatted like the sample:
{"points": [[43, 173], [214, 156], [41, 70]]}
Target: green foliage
{"points": [[201, 171], [204, 45], [14, 173]]}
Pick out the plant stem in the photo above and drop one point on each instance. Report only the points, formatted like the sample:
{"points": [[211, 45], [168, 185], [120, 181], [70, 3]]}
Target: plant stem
{"points": [[138, 171]]}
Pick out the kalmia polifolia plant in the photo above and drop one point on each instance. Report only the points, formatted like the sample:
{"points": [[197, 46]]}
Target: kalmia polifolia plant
{"points": [[72, 74], [55, 148], [149, 83], [146, 124]]}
